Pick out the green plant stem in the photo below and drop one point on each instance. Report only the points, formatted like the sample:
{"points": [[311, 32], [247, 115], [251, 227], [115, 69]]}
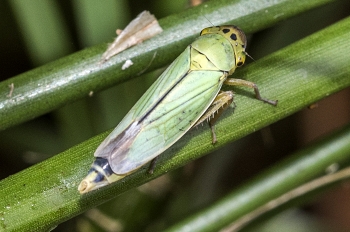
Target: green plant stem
{"points": [[50, 86], [45, 194], [301, 167]]}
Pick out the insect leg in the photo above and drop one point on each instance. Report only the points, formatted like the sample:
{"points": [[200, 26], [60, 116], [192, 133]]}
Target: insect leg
{"points": [[152, 166], [221, 102], [240, 82]]}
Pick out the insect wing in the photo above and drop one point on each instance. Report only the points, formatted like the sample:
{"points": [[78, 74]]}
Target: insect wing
{"points": [[125, 131], [171, 119], [169, 78]]}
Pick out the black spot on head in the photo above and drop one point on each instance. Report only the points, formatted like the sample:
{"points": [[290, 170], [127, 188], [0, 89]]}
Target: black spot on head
{"points": [[239, 64], [233, 36], [225, 30]]}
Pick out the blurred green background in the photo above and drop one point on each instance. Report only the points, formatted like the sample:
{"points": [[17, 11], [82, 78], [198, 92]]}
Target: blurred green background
{"points": [[36, 32]]}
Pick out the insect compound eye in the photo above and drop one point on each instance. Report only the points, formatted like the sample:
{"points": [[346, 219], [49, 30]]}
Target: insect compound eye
{"points": [[239, 64]]}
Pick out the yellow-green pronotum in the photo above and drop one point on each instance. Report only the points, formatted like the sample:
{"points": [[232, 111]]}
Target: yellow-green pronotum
{"points": [[186, 94]]}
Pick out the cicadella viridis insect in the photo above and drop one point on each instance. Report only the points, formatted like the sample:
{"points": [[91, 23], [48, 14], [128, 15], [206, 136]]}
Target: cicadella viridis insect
{"points": [[185, 95]]}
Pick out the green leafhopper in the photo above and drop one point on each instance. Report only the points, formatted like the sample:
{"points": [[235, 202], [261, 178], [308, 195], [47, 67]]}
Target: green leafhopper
{"points": [[186, 94]]}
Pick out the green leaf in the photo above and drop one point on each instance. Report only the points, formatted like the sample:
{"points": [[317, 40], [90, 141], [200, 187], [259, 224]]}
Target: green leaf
{"points": [[301, 167]]}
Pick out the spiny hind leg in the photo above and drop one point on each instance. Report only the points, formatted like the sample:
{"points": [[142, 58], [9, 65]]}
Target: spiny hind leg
{"points": [[240, 82], [221, 102]]}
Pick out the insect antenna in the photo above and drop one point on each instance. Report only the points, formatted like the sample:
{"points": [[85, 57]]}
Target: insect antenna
{"points": [[209, 21], [249, 55]]}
